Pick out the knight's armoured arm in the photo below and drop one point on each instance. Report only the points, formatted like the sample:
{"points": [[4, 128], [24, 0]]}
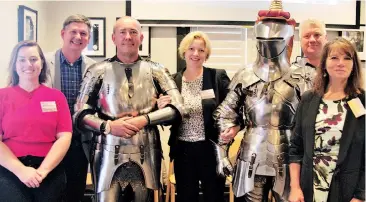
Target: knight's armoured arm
{"points": [[227, 114], [175, 110], [85, 108]]}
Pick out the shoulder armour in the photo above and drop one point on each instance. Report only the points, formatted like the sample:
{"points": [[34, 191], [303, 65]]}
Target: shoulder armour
{"points": [[245, 77], [161, 75], [302, 76]]}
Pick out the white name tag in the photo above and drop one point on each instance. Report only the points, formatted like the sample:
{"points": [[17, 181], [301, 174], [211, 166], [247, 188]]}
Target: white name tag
{"points": [[207, 94], [49, 106], [357, 107]]}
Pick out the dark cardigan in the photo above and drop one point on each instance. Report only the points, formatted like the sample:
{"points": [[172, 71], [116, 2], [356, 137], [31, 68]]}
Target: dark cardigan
{"points": [[349, 177], [215, 79]]}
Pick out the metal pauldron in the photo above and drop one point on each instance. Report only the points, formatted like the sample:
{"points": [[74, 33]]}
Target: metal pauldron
{"points": [[168, 87], [83, 106]]}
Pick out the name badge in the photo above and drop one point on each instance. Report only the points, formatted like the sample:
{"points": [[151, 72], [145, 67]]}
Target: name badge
{"points": [[49, 106], [207, 94], [357, 107]]}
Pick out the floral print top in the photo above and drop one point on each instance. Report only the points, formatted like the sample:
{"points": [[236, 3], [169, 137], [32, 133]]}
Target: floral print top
{"points": [[328, 131]]}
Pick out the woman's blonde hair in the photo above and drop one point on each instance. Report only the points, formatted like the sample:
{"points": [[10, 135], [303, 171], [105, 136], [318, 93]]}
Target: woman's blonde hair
{"points": [[188, 40], [354, 83]]}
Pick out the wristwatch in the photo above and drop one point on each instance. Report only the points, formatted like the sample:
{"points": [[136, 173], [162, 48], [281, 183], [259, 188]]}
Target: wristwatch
{"points": [[105, 128]]}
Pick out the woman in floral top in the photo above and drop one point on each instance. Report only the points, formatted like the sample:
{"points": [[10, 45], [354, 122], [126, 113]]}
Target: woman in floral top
{"points": [[328, 143]]}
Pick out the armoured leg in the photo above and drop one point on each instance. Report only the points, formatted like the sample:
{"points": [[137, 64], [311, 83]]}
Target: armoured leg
{"points": [[262, 185], [96, 160], [129, 178], [111, 195], [278, 197], [143, 194]]}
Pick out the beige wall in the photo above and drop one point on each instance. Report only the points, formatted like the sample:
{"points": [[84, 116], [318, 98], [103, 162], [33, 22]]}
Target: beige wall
{"points": [[9, 30], [362, 12], [164, 47]]}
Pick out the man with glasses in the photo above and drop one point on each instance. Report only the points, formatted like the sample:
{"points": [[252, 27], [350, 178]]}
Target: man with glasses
{"points": [[117, 102], [66, 67]]}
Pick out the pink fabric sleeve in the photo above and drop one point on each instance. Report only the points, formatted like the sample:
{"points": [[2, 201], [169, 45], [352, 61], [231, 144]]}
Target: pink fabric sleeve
{"points": [[1, 112], [64, 117]]}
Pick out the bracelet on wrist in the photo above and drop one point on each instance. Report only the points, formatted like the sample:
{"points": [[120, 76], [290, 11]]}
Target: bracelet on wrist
{"points": [[147, 118]]}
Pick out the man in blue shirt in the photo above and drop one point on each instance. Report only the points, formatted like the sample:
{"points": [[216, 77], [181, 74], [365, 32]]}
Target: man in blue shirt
{"points": [[67, 66]]}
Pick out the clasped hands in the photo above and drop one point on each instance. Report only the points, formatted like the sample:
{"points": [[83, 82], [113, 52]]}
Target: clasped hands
{"points": [[128, 126], [31, 177]]}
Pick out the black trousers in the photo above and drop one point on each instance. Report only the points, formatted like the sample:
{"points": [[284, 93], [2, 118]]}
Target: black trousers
{"points": [[194, 162], [51, 189], [76, 168]]}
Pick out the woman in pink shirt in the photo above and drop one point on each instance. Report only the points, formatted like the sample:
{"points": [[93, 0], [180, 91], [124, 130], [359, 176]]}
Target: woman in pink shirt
{"points": [[35, 130]]}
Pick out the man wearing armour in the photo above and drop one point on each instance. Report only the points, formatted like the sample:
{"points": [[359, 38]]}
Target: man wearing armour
{"points": [[117, 102]]}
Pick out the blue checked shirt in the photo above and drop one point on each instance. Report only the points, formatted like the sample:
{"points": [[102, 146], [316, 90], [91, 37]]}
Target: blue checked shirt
{"points": [[71, 77]]}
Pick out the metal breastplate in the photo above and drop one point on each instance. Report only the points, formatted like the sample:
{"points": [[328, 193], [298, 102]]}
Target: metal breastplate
{"points": [[115, 99], [271, 105], [120, 81], [269, 113]]}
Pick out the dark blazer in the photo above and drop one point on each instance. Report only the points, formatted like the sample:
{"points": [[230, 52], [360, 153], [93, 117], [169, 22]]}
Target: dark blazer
{"points": [[215, 79], [349, 177]]}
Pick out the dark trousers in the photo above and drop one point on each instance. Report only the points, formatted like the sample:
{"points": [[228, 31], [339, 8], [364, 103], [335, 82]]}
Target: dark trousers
{"points": [[51, 188], [194, 162], [76, 168]]}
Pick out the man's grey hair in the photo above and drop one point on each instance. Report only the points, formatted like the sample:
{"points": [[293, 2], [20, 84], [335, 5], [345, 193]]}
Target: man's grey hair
{"points": [[77, 18], [312, 22]]}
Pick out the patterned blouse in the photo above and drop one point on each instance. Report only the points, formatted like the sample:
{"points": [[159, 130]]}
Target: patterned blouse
{"points": [[191, 129], [328, 131]]}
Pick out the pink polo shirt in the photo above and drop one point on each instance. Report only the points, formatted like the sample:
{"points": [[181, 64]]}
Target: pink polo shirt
{"points": [[29, 121]]}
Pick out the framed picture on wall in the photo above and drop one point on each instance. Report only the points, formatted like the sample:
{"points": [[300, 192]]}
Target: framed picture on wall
{"points": [[27, 23], [96, 46], [357, 38], [144, 49]]}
